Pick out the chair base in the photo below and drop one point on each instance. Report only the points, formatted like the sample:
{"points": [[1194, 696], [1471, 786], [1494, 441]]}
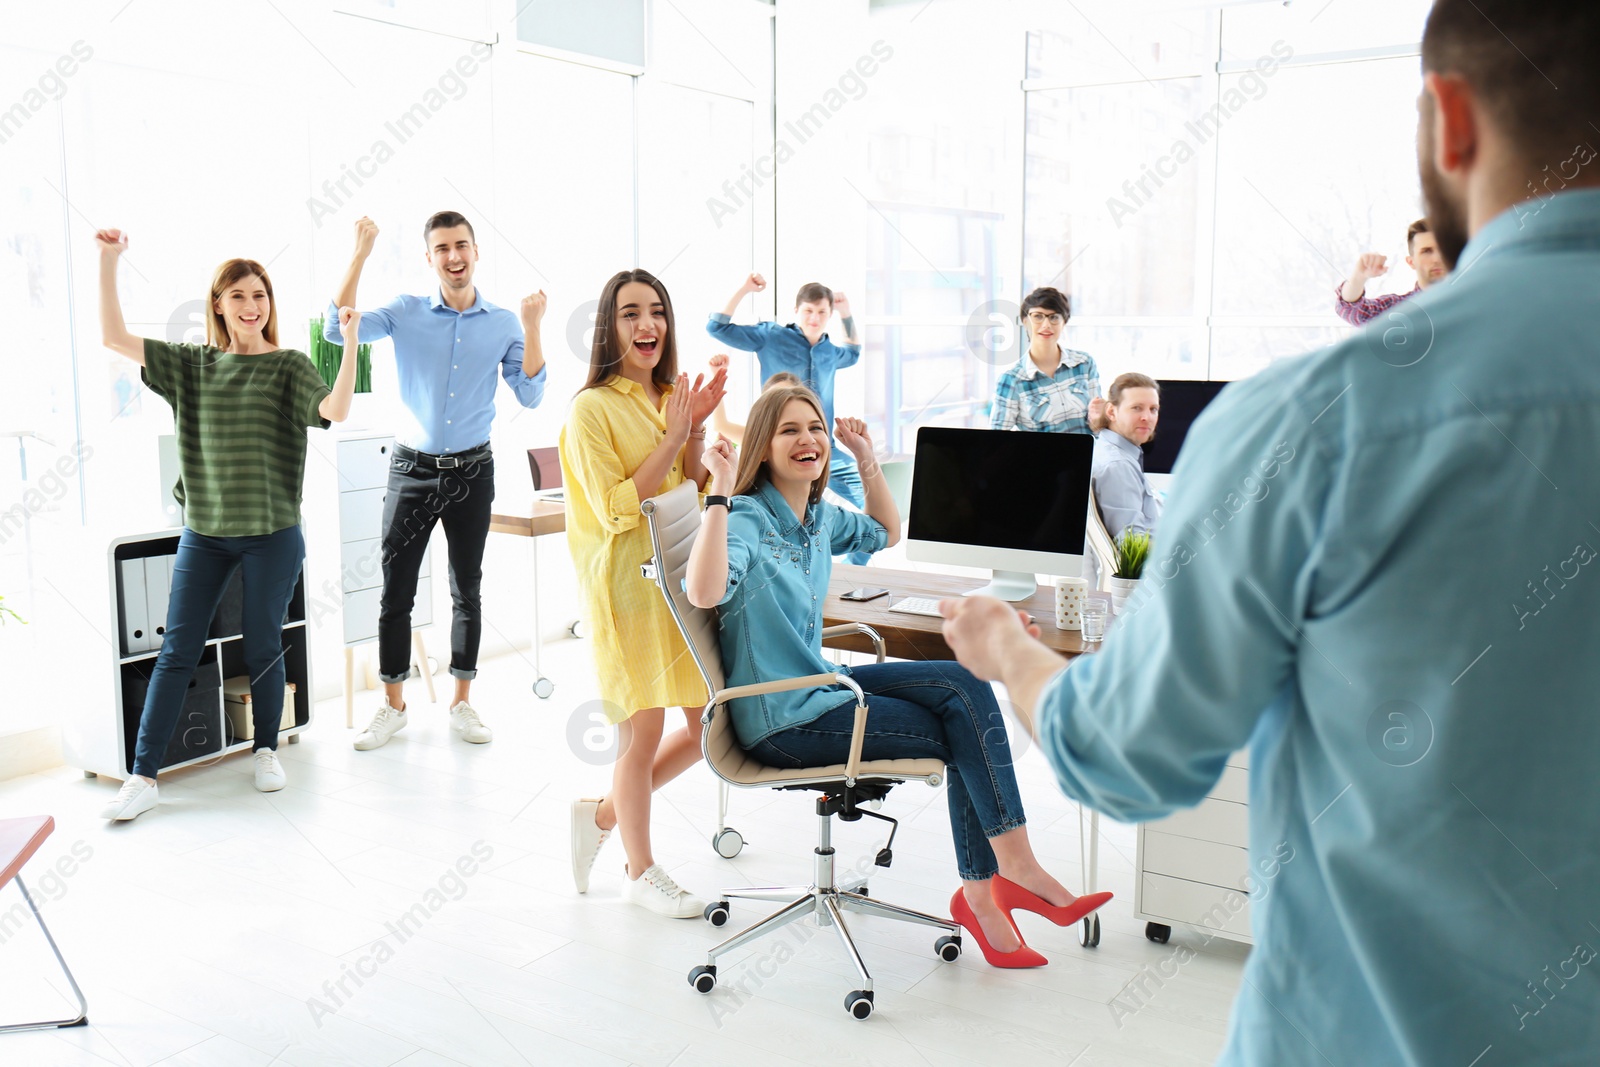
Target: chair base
{"points": [[82, 1018], [827, 901]]}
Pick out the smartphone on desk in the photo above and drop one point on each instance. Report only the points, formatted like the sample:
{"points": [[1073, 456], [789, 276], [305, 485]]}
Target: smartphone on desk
{"points": [[866, 592]]}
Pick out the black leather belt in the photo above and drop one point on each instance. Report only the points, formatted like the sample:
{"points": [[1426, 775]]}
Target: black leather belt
{"points": [[447, 462]]}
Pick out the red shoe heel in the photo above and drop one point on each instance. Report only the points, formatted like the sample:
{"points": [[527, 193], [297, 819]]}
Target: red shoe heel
{"points": [[961, 912], [1011, 896]]}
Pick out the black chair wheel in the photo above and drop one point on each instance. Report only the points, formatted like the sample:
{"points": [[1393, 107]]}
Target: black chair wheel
{"points": [[948, 948], [717, 913], [858, 1002], [1089, 932], [703, 978], [1157, 932]]}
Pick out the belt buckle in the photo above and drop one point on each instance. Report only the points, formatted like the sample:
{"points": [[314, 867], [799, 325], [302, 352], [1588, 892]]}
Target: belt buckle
{"points": [[447, 462]]}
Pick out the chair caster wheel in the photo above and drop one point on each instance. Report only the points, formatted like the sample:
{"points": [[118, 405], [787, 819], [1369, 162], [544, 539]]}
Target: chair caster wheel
{"points": [[858, 1003], [1089, 932], [543, 688], [948, 948], [716, 913], [704, 978], [1157, 932], [728, 842], [575, 628]]}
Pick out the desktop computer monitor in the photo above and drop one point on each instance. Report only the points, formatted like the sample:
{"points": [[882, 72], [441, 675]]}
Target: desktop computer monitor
{"points": [[1181, 404], [1014, 501]]}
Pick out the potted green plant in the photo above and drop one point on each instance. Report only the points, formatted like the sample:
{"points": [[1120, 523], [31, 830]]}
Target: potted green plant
{"points": [[5, 611], [327, 355], [1133, 548]]}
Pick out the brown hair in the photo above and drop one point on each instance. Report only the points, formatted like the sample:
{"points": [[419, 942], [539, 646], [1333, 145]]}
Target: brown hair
{"points": [[1131, 380], [759, 431], [813, 292], [445, 220], [226, 277], [1050, 299], [605, 358], [1514, 54], [1420, 226], [783, 377]]}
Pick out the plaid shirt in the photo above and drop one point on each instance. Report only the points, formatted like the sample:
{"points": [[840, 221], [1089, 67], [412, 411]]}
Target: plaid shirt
{"points": [[1025, 398], [1368, 307]]}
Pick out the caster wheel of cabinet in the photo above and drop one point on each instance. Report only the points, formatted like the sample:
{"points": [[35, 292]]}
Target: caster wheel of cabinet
{"points": [[294, 739], [90, 774], [543, 688], [948, 948], [703, 978], [717, 913], [1157, 932], [728, 842], [1089, 932], [859, 1003]]}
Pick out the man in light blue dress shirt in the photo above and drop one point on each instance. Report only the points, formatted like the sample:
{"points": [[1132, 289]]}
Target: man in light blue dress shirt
{"points": [[1378, 569], [451, 349]]}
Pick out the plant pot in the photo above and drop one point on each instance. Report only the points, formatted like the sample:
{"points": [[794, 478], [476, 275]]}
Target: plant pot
{"points": [[1121, 590]]}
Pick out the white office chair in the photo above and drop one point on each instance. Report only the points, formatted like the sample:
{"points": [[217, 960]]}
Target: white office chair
{"points": [[674, 522]]}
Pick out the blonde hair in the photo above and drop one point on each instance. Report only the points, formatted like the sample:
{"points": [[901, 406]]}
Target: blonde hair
{"points": [[762, 427], [226, 276]]}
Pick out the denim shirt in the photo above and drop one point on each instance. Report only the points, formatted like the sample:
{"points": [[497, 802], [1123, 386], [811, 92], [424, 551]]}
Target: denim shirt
{"points": [[1376, 569], [771, 611], [785, 348]]}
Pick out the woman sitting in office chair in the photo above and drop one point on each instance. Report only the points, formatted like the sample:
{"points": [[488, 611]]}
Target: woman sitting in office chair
{"points": [[764, 556]]}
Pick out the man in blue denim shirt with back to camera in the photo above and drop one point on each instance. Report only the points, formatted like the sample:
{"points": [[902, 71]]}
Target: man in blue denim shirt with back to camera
{"points": [[1377, 570], [804, 349], [451, 349]]}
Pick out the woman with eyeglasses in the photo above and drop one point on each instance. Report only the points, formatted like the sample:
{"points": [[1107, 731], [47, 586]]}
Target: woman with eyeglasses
{"points": [[1051, 388]]}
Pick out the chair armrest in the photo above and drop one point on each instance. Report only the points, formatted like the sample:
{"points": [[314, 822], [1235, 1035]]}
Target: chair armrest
{"points": [[852, 766], [857, 628]]}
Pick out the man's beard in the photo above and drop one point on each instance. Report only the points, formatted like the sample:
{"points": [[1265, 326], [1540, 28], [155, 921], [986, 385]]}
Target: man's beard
{"points": [[1446, 216]]}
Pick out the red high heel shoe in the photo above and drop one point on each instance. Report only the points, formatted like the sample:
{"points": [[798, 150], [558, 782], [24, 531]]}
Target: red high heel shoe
{"points": [[961, 912], [1010, 896]]}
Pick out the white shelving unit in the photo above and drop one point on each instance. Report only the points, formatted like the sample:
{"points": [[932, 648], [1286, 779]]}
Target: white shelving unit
{"points": [[101, 739], [1191, 868]]}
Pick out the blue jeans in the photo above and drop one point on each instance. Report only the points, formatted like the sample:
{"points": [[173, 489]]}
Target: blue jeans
{"points": [[844, 478], [929, 708], [204, 566]]}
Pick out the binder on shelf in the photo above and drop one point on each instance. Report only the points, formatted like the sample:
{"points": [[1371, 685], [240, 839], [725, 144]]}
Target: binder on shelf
{"points": [[157, 579], [135, 609]]}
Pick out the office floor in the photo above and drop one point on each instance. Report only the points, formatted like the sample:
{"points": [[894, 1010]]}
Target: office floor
{"points": [[218, 929]]}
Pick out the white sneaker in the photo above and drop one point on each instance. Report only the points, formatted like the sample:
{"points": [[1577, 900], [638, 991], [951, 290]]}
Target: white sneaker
{"points": [[269, 772], [383, 726], [655, 891], [465, 721], [587, 837], [136, 797]]}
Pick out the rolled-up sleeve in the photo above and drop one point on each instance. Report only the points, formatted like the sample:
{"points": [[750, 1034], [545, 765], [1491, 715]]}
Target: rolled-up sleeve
{"points": [[853, 531], [1207, 647], [730, 333], [599, 470], [375, 324], [745, 527], [528, 391]]}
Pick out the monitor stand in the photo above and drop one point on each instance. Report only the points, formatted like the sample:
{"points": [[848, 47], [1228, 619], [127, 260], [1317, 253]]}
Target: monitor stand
{"points": [[1008, 585]]}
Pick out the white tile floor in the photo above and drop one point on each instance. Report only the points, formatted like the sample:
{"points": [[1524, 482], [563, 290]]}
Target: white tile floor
{"points": [[331, 923]]}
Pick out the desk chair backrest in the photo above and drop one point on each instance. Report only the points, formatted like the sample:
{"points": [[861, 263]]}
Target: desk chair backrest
{"points": [[1100, 542], [545, 465]]}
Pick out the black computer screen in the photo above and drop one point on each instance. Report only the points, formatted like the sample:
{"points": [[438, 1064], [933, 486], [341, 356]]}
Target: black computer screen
{"points": [[1001, 489], [1181, 404]]}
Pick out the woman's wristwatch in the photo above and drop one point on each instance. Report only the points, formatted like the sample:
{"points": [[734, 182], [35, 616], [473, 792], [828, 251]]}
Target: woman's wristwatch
{"points": [[724, 501]]}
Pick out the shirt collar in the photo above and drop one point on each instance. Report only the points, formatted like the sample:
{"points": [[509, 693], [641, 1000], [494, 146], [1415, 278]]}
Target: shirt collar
{"points": [[623, 384], [1115, 440], [1569, 219], [796, 328], [774, 502], [1070, 357], [436, 301]]}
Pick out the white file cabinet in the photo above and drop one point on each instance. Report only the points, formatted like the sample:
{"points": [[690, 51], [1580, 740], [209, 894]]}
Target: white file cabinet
{"points": [[101, 725], [1192, 867], [362, 460]]}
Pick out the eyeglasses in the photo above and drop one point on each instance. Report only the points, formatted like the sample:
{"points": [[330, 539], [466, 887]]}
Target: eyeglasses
{"points": [[1040, 318]]}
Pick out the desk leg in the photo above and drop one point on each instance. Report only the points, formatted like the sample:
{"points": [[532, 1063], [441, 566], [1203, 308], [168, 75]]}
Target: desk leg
{"points": [[349, 687], [422, 664], [82, 1018], [542, 686]]}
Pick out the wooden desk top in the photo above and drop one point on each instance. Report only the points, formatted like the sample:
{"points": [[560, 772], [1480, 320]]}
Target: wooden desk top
{"points": [[919, 636], [546, 518]]}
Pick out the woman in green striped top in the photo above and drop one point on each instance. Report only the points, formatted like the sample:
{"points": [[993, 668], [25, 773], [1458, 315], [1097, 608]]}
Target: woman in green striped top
{"points": [[241, 406]]}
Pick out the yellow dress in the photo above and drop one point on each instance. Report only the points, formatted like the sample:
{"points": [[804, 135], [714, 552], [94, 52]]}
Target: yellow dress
{"points": [[643, 663]]}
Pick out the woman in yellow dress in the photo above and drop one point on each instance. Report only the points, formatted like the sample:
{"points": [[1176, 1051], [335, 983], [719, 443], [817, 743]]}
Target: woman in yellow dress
{"points": [[635, 430]]}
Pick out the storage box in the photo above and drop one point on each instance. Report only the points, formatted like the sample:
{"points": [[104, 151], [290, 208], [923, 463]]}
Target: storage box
{"points": [[241, 713]]}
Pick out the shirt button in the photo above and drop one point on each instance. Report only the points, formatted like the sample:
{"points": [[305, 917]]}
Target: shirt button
{"points": [[455, 366], [452, 394], [447, 422]]}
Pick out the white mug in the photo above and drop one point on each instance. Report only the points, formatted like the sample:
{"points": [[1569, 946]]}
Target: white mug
{"points": [[1071, 595]]}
